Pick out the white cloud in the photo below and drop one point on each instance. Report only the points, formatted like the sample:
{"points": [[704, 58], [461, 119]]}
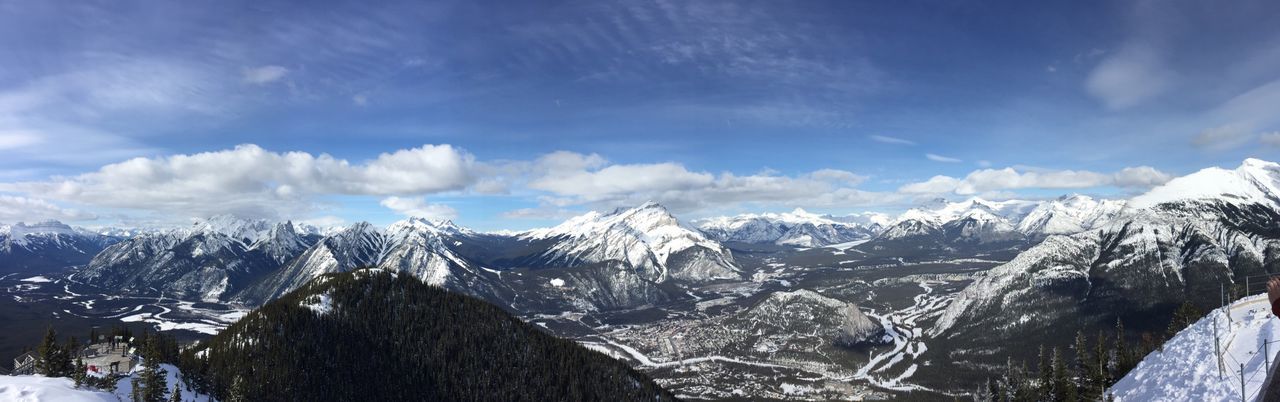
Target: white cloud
{"points": [[264, 74], [576, 179], [935, 185], [1129, 77], [1140, 177], [838, 176], [251, 181], [990, 180], [15, 209], [1223, 137], [940, 158], [891, 140], [1270, 139], [418, 207]]}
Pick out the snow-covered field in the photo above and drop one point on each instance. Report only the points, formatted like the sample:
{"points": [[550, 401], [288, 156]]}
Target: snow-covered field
{"points": [[34, 388], [1187, 369]]}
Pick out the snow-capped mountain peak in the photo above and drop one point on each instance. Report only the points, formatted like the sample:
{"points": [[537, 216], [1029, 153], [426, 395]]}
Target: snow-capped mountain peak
{"points": [[646, 237], [243, 230], [1254, 182], [795, 228], [1070, 214]]}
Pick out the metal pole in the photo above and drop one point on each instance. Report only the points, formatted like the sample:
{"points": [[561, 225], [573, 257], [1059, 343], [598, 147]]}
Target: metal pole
{"points": [[1217, 346], [1266, 354], [1242, 383]]}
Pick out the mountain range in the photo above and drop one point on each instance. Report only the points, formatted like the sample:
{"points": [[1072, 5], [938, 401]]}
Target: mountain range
{"points": [[1190, 233], [1183, 241]]}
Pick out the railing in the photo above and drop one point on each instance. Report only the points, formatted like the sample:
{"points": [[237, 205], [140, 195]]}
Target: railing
{"points": [[1254, 284]]}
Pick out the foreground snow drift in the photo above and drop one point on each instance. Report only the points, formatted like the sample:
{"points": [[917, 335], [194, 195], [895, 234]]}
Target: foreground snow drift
{"points": [[1187, 368], [34, 388]]}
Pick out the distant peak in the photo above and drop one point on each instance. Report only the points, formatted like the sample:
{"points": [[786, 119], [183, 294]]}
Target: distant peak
{"points": [[1259, 163], [651, 205]]}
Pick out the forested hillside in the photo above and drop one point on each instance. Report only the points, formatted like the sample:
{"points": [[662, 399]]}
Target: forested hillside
{"points": [[374, 335]]}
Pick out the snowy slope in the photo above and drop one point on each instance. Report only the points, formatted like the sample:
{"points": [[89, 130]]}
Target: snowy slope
{"points": [[1187, 367], [646, 238], [47, 245], [34, 388], [796, 228], [1178, 250], [1254, 182], [1069, 214]]}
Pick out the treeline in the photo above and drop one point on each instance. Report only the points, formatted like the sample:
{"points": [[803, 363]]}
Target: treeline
{"points": [[1084, 371], [372, 335], [64, 359]]}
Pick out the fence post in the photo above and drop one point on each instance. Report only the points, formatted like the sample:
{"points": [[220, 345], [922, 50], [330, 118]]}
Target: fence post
{"points": [[1217, 346], [1242, 398]]}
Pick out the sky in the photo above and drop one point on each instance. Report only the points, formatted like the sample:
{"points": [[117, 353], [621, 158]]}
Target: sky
{"points": [[512, 115]]}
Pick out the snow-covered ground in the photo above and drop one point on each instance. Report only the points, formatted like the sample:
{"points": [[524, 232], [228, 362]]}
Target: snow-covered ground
{"points": [[28, 388], [1188, 369], [34, 388]]}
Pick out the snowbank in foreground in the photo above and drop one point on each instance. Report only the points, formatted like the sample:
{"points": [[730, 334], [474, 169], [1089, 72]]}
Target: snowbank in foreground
{"points": [[1187, 368], [29, 388]]}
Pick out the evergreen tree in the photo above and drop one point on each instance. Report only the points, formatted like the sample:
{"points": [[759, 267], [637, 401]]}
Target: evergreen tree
{"points": [[46, 353], [1080, 367], [1124, 356], [152, 376], [237, 392], [1045, 386], [1098, 370], [1183, 317], [80, 373], [1063, 387], [177, 394]]}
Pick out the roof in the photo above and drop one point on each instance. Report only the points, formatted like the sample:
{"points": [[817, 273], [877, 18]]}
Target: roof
{"points": [[24, 355]]}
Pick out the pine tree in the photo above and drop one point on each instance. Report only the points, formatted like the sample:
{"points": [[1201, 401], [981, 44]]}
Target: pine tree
{"points": [[1080, 368], [80, 373], [1183, 317], [238, 393], [52, 359], [1063, 388], [152, 376], [1045, 386], [177, 394], [1124, 357], [1101, 380]]}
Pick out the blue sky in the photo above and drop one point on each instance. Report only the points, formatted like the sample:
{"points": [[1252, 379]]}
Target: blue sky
{"points": [[517, 114]]}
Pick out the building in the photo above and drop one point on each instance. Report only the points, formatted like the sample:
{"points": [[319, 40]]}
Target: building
{"points": [[24, 364]]}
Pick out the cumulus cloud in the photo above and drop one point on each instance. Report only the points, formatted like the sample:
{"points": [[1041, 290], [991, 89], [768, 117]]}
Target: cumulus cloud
{"points": [[940, 158], [251, 181], [577, 179], [990, 180], [418, 207], [15, 209], [891, 140], [1223, 137], [935, 185], [264, 74]]}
